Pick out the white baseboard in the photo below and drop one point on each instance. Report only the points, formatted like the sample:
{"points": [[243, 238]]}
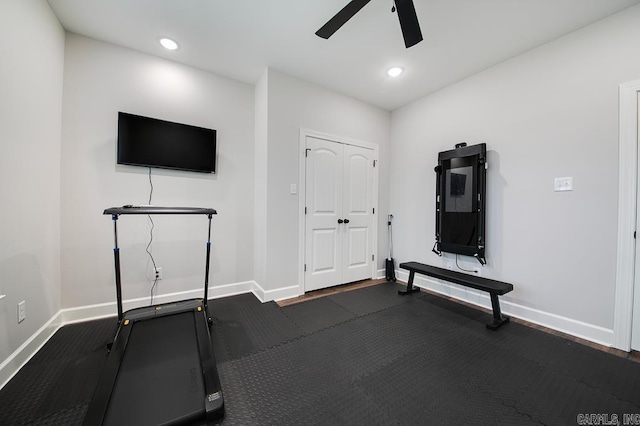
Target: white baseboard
{"points": [[591, 332], [28, 349], [291, 291], [277, 294], [102, 310], [231, 289], [580, 329]]}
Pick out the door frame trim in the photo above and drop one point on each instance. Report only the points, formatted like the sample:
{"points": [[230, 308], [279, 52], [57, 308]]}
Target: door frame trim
{"points": [[304, 133], [627, 213]]}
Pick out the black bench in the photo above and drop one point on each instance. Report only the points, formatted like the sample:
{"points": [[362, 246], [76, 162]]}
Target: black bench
{"points": [[493, 287]]}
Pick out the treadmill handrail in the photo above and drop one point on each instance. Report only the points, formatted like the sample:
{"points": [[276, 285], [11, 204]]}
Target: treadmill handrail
{"points": [[131, 209], [115, 212]]}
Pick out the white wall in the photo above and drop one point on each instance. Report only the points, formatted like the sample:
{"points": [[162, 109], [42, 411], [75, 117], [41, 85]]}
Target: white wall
{"points": [[100, 80], [32, 52], [551, 112], [260, 177], [294, 104]]}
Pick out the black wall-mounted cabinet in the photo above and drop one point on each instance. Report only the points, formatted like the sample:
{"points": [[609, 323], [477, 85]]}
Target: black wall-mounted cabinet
{"points": [[460, 201]]}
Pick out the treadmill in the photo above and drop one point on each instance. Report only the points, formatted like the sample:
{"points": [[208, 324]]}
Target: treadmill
{"points": [[161, 369]]}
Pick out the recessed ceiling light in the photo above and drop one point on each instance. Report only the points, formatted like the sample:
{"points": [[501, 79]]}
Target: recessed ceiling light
{"points": [[394, 71], [168, 44]]}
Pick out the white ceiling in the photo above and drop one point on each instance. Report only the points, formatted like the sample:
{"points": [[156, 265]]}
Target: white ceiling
{"points": [[240, 38]]}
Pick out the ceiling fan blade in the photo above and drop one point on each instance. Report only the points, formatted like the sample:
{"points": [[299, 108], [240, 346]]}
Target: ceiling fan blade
{"points": [[341, 18], [408, 22]]}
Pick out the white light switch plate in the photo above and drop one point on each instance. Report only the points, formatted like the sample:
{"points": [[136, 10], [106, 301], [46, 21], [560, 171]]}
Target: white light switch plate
{"points": [[21, 311], [563, 184]]}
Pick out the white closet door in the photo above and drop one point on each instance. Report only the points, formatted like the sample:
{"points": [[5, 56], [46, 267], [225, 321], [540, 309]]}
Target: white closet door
{"points": [[339, 218]]}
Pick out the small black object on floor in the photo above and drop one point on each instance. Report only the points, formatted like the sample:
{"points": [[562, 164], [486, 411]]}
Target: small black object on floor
{"points": [[362, 357], [390, 264]]}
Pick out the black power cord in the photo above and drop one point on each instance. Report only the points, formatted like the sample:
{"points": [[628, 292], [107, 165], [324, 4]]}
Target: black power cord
{"points": [[465, 270], [155, 268]]}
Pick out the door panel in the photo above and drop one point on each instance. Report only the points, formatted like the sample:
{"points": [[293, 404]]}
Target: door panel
{"points": [[324, 250], [326, 174], [356, 192], [358, 246], [323, 244], [358, 202]]}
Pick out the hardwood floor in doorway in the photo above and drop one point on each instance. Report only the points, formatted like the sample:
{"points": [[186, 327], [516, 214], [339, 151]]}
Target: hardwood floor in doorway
{"points": [[329, 291]]}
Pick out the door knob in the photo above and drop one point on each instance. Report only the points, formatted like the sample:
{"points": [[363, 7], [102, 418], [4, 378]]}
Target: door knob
{"points": [[340, 221], [346, 221]]}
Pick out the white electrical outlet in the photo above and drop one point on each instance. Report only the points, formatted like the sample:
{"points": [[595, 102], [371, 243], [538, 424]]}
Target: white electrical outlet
{"points": [[158, 274], [562, 184], [22, 314]]}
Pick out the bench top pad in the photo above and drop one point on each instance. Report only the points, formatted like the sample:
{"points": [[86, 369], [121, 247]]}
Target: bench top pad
{"points": [[479, 283]]}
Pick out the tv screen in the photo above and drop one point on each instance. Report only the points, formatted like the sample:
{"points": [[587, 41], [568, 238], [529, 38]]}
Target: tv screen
{"points": [[457, 182], [149, 142]]}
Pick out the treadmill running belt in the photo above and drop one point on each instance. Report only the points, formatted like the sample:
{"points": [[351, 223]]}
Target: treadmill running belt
{"points": [[160, 378]]}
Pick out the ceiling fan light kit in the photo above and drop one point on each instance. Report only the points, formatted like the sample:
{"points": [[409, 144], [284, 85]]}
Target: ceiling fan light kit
{"points": [[406, 15]]}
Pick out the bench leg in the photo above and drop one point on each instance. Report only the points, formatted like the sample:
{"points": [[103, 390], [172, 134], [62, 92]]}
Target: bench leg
{"points": [[498, 318], [410, 288]]}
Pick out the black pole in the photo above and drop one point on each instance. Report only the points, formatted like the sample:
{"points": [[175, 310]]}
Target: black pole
{"points": [[116, 256], [206, 272], [436, 247]]}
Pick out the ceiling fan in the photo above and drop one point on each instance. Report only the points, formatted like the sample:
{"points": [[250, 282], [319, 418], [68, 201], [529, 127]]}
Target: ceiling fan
{"points": [[406, 14]]}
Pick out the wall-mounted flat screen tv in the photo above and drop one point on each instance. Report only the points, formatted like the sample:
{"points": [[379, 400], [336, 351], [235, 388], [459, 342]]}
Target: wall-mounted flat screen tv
{"points": [[149, 142]]}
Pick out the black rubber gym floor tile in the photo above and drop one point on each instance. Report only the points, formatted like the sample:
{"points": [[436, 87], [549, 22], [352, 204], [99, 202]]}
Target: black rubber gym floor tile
{"points": [[309, 380], [60, 379], [356, 408], [370, 299], [246, 325], [317, 314], [237, 408], [558, 399], [424, 387], [81, 337], [607, 372], [595, 369], [455, 311], [220, 350], [69, 416]]}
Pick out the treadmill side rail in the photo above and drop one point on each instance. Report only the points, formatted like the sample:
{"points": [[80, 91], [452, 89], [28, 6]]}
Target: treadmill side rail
{"points": [[100, 401], [214, 402]]}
